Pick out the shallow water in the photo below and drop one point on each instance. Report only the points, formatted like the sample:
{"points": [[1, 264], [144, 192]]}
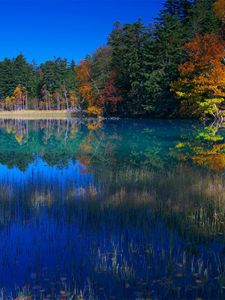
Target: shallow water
{"points": [[115, 210]]}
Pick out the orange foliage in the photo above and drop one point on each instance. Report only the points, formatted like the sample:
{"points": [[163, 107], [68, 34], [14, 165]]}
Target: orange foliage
{"points": [[86, 92], [84, 82], [94, 126], [87, 88], [219, 8], [213, 159], [202, 77], [204, 54]]}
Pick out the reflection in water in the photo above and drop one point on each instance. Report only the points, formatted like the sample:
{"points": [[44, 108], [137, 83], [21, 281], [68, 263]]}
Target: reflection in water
{"points": [[111, 211], [205, 148], [39, 180]]}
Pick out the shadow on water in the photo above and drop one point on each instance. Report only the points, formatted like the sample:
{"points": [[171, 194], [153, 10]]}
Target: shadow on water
{"points": [[113, 210]]}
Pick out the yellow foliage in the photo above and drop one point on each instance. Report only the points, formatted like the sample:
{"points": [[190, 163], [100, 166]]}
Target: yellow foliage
{"points": [[214, 162], [73, 98], [94, 110], [18, 92], [180, 94], [212, 158], [19, 138], [94, 126], [180, 145]]}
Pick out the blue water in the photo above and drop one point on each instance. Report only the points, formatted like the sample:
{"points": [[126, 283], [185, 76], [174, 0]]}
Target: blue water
{"points": [[120, 210]]}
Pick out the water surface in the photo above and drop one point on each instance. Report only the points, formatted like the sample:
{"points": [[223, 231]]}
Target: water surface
{"points": [[115, 210]]}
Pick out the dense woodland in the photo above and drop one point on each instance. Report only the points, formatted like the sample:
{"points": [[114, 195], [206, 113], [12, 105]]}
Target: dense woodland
{"points": [[173, 67]]}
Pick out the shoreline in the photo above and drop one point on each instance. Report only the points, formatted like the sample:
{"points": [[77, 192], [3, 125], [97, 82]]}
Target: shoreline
{"points": [[33, 114], [49, 115], [39, 114]]}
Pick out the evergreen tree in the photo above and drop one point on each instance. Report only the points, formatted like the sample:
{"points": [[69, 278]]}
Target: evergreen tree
{"points": [[17, 72], [53, 74], [127, 44], [170, 35], [202, 18]]}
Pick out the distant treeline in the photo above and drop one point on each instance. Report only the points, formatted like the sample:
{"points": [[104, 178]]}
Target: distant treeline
{"points": [[173, 67]]}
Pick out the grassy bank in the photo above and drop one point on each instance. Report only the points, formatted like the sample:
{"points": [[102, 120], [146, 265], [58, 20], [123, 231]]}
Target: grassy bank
{"points": [[37, 114]]}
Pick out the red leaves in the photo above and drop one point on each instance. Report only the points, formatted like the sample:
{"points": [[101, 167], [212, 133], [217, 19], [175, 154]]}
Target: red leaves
{"points": [[111, 94]]}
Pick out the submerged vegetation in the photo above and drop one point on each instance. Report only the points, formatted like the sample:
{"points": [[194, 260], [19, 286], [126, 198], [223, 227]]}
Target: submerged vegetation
{"points": [[100, 190], [173, 67]]}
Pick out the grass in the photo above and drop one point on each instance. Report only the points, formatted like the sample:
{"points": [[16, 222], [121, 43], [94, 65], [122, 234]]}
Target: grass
{"points": [[129, 205], [37, 114]]}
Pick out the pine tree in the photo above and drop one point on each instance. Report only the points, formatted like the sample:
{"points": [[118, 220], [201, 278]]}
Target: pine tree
{"points": [[127, 44], [202, 18]]}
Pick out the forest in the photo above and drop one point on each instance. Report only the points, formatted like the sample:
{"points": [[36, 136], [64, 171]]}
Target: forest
{"points": [[173, 67]]}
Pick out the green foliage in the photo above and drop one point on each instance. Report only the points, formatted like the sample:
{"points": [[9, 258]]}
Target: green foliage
{"points": [[202, 18], [128, 44], [17, 72], [53, 74], [148, 57], [130, 76]]}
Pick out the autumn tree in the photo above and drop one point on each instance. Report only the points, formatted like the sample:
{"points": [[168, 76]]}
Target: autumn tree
{"points": [[86, 86], [219, 8], [20, 98], [73, 99], [111, 94], [201, 86]]}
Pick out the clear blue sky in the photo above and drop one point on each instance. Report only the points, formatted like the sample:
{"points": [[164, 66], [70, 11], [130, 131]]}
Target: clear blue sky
{"points": [[42, 29]]}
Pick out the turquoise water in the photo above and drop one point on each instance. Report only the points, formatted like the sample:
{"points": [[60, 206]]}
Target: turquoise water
{"points": [[123, 209]]}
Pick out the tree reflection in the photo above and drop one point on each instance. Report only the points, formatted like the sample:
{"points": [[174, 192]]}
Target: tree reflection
{"points": [[205, 148], [119, 210]]}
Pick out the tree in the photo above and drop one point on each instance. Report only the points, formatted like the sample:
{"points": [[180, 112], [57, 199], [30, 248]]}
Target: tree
{"points": [[7, 82], [111, 94], [179, 8], [53, 74], [162, 56], [85, 85], [169, 37], [100, 66], [127, 43], [202, 19], [201, 86], [17, 101], [73, 99], [17, 72], [24, 75], [20, 98], [219, 8], [46, 98], [132, 74]]}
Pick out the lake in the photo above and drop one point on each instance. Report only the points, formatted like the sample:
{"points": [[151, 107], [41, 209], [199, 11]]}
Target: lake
{"points": [[123, 209]]}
